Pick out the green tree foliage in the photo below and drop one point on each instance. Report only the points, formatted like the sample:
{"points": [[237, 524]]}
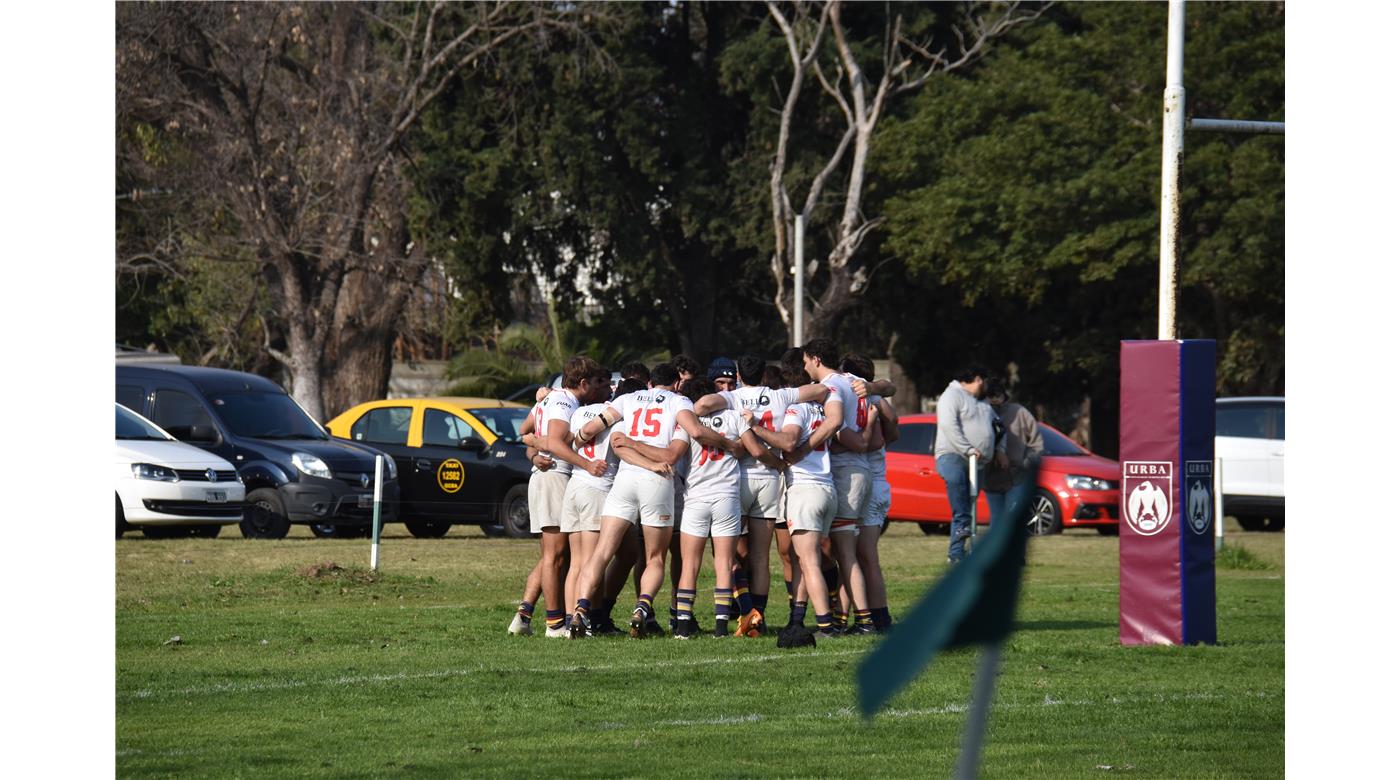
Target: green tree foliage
{"points": [[1024, 201], [626, 190]]}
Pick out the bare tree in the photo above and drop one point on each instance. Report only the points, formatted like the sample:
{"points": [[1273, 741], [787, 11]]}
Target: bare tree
{"points": [[905, 66], [284, 128]]}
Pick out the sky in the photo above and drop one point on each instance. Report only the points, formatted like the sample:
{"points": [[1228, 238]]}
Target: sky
{"points": [[59, 310]]}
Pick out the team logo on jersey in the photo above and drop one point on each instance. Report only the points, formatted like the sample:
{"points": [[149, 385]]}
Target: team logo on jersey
{"points": [[762, 401], [1147, 492], [716, 421], [450, 475], [1199, 503]]}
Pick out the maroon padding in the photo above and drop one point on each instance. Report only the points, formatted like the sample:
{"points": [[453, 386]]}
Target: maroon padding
{"points": [[1149, 566]]}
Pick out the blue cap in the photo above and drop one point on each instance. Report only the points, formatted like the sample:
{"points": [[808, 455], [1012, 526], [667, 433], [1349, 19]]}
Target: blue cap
{"points": [[722, 366]]}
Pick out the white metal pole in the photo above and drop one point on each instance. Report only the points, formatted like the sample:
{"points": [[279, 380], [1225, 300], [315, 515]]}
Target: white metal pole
{"points": [[1173, 150], [972, 480], [378, 497], [1219, 506], [970, 757], [799, 272]]}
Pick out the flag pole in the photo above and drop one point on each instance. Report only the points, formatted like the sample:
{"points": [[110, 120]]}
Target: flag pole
{"points": [[378, 497], [970, 757], [972, 481]]}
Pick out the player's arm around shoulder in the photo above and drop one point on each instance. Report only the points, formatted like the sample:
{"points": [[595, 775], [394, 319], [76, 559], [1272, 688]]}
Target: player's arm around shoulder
{"points": [[690, 423], [605, 419], [709, 404], [889, 421], [785, 438], [831, 425]]}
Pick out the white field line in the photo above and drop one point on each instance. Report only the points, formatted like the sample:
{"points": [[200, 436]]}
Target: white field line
{"points": [[946, 709], [850, 712], [370, 679]]}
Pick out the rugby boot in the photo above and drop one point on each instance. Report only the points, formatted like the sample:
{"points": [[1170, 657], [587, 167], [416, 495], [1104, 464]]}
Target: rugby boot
{"points": [[751, 625]]}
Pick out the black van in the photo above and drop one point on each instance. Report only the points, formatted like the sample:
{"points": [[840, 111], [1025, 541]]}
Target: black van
{"points": [[293, 470]]}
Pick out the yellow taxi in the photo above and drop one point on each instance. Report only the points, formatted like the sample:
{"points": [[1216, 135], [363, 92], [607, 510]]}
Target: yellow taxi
{"points": [[460, 460]]}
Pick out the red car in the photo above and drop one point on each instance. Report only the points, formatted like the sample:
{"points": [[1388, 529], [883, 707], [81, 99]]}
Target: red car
{"points": [[1078, 489]]}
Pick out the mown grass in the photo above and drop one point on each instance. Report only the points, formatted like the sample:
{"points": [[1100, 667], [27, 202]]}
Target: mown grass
{"points": [[289, 667]]}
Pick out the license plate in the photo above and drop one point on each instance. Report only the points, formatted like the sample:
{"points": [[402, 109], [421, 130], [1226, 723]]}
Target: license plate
{"points": [[216, 496], [366, 501]]}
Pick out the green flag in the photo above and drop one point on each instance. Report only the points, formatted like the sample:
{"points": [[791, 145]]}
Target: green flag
{"points": [[973, 604]]}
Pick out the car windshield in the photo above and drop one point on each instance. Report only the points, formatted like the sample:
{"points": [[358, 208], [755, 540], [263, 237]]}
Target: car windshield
{"points": [[265, 416], [131, 427], [504, 422], [1057, 444]]}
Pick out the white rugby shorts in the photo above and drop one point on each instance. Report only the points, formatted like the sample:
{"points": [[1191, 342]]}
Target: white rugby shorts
{"points": [[811, 506], [546, 495], [879, 505], [583, 508], [711, 516], [650, 497], [852, 492], [759, 497]]}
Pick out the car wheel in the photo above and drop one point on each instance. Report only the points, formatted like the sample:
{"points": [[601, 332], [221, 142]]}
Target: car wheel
{"points": [[206, 531], [1107, 530], [932, 529], [425, 529], [265, 518], [1274, 524], [1045, 515], [323, 530], [1251, 523], [122, 525], [515, 512]]}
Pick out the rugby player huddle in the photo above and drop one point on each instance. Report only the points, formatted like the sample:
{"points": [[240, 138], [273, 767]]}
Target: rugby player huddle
{"points": [[793, 453]]}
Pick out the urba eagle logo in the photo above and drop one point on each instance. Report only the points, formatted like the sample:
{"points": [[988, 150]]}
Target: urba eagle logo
{"points": [[1198, 498], [1147, 495]]}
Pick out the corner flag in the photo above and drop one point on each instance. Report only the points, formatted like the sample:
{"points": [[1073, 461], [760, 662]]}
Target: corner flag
{"points": [[973, 604]]}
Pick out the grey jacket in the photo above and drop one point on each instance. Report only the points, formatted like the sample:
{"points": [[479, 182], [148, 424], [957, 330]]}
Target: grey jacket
{"points": [[1022, 443], [964, 424]]}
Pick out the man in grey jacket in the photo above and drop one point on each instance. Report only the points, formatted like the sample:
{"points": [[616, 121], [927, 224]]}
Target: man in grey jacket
{"points": [[964, 429], [1021, 440]]}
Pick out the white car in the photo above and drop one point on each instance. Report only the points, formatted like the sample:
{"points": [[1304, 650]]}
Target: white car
{"points": [[168, 488], [1249, 443]]}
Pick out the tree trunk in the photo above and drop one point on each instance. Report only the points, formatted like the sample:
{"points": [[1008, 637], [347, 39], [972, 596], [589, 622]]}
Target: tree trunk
{"points": [[843, 292], [304, 364]]}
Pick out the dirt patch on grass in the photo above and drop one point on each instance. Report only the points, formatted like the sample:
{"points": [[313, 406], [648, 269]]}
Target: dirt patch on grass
{"points": [[330, 571]]}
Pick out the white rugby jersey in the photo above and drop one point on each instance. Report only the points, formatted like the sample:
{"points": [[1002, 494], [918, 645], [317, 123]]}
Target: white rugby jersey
{"points": [[714, 473], [876, 458], [649, 416], [853, 411], [558, 405], [597, 449], [816, 467], [768, 406]]}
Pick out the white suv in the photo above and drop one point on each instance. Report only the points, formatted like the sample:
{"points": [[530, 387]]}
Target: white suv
{"points": [[1249, 443]]}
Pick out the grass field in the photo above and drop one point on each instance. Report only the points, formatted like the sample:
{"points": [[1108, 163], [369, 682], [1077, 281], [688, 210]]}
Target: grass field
{"points": [[287, 668]]}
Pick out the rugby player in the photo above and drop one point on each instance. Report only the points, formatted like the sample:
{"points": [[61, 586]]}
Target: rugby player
{"points": [[810, 501], [850, 473], [881, 427], [712, 512], [549, 422], [583, 498]]}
